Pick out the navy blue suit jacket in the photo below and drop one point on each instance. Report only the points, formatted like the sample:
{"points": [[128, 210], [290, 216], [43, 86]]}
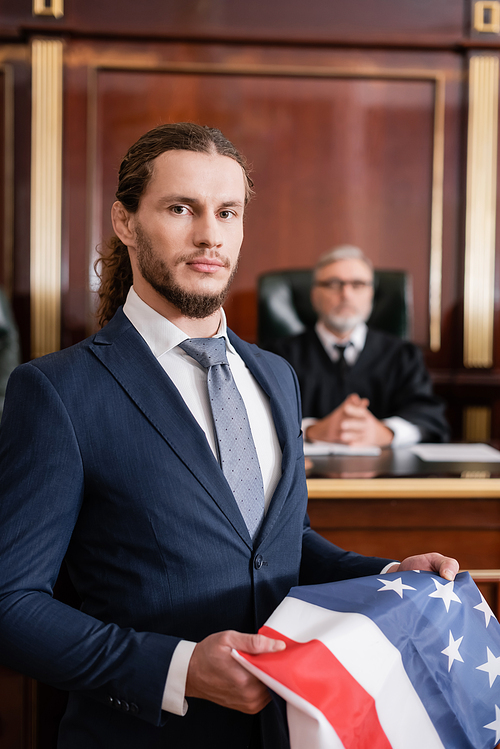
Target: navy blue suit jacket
{"points": [[102, 463]]}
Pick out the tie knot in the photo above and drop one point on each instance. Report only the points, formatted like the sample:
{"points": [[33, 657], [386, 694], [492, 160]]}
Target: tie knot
{"points": [[341, 348], [206, 351]]}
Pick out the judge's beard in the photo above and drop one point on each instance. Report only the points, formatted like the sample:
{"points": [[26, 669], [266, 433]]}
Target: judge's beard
{"points": [[338, 324], [155, 271]]}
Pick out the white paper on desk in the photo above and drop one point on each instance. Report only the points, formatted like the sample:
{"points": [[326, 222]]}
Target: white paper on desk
{"points": [[473, 453], [316, 449]]}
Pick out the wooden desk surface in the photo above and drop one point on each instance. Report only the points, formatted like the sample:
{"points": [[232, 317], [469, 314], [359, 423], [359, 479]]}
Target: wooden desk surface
{"points": [[399, 488]]}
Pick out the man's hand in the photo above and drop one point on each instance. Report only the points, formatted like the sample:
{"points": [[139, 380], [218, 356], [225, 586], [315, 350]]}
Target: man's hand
{"points": [[433, 562], [214, 675], [351, 424]]}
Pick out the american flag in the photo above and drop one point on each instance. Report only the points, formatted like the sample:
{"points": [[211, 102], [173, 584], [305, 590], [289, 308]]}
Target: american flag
{"points": [[404, 660]]}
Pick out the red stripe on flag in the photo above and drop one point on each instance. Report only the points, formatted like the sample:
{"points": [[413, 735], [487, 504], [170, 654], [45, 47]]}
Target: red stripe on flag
{"points": [[312, 671]]}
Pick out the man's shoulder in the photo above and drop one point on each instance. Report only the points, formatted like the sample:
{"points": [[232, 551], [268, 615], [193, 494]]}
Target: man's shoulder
{"points": [[73, 355]]}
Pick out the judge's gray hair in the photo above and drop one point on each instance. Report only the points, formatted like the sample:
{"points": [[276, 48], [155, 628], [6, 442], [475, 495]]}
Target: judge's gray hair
{"points": [[342, 252]]}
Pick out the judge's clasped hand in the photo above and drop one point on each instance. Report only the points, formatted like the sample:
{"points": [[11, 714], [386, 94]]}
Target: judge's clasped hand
{"points": [[351, 424]]}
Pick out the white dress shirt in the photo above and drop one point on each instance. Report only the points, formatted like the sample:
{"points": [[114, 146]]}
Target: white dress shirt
{"points": [[190, 378], [405, 433]]}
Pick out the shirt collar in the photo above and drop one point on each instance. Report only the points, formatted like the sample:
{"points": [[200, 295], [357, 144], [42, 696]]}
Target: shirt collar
{"points": [[357, 338], [160, 334]]}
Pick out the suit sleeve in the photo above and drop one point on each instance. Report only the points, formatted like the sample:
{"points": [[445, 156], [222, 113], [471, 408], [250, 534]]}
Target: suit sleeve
{"points": [[323, 562], [41, 493]]}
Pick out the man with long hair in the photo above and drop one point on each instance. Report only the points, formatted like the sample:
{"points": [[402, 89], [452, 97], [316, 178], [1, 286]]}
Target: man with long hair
{"points": [[169, 477]]}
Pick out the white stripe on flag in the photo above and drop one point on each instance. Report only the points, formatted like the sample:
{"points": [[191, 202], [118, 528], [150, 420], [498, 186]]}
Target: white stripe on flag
{"points": [[375, 663]]}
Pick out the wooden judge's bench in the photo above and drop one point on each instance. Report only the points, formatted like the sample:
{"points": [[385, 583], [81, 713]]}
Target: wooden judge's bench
{"points": [[395, 505]]}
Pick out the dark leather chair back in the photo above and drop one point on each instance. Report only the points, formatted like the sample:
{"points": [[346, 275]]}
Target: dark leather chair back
{"points": [[284, 303], [10, 355]]}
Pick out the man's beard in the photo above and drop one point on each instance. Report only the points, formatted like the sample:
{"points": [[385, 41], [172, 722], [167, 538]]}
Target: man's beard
{"points": [[154, 270], [342, 324]]}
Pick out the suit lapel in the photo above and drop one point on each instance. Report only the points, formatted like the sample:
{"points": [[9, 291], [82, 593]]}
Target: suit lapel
{"points": [[130, 361], [259, 366]]}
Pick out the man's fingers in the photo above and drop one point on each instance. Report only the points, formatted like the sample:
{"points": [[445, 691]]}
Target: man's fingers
{"points": [[214, 674], [255, 644], [446, 567], [354, 412], [357, 401], [352, 425]]}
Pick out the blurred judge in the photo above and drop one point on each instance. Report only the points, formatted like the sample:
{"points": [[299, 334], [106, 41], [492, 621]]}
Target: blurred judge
{"points": [[359, 386]]}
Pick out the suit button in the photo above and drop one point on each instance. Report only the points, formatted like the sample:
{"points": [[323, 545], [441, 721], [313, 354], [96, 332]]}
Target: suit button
{"points": [[258, 562], [118, 703], [125, 706], [110, 700], [133, 708]]}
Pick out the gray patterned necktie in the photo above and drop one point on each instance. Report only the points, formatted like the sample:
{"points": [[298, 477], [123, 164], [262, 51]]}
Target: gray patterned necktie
{"points": [[238, 456]]}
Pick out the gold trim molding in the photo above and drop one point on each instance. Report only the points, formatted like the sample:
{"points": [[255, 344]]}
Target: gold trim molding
{"points": [[480, 215], [487, 16], [46, 192], [436, 258], [55, 8], [147, 63], [477, 423]]}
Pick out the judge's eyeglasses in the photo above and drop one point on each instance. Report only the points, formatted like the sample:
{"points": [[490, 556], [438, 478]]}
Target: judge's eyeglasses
{"points": [[336, 284]]}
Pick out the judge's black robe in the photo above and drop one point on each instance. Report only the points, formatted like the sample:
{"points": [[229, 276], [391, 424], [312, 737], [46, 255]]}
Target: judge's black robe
{"points": [[389, 371]]}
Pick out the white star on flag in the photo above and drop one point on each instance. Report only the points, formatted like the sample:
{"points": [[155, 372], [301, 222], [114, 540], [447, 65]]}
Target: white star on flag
{"points": [[492, 667], [495, 726], [445, 592], [452, 651], [396, 585], [483, 606]]}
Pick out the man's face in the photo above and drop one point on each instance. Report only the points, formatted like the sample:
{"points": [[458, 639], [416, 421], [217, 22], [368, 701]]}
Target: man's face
{"points": [[188, 231], [343, 295]]}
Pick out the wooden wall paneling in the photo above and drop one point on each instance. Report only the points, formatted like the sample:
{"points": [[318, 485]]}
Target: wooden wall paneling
{"points": [[397, 21], [77, 300], [6, 176], [467, 529], [374, 193], [316, 184], [451, 323], [17, 698], [472, 387], [17, 58]]}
